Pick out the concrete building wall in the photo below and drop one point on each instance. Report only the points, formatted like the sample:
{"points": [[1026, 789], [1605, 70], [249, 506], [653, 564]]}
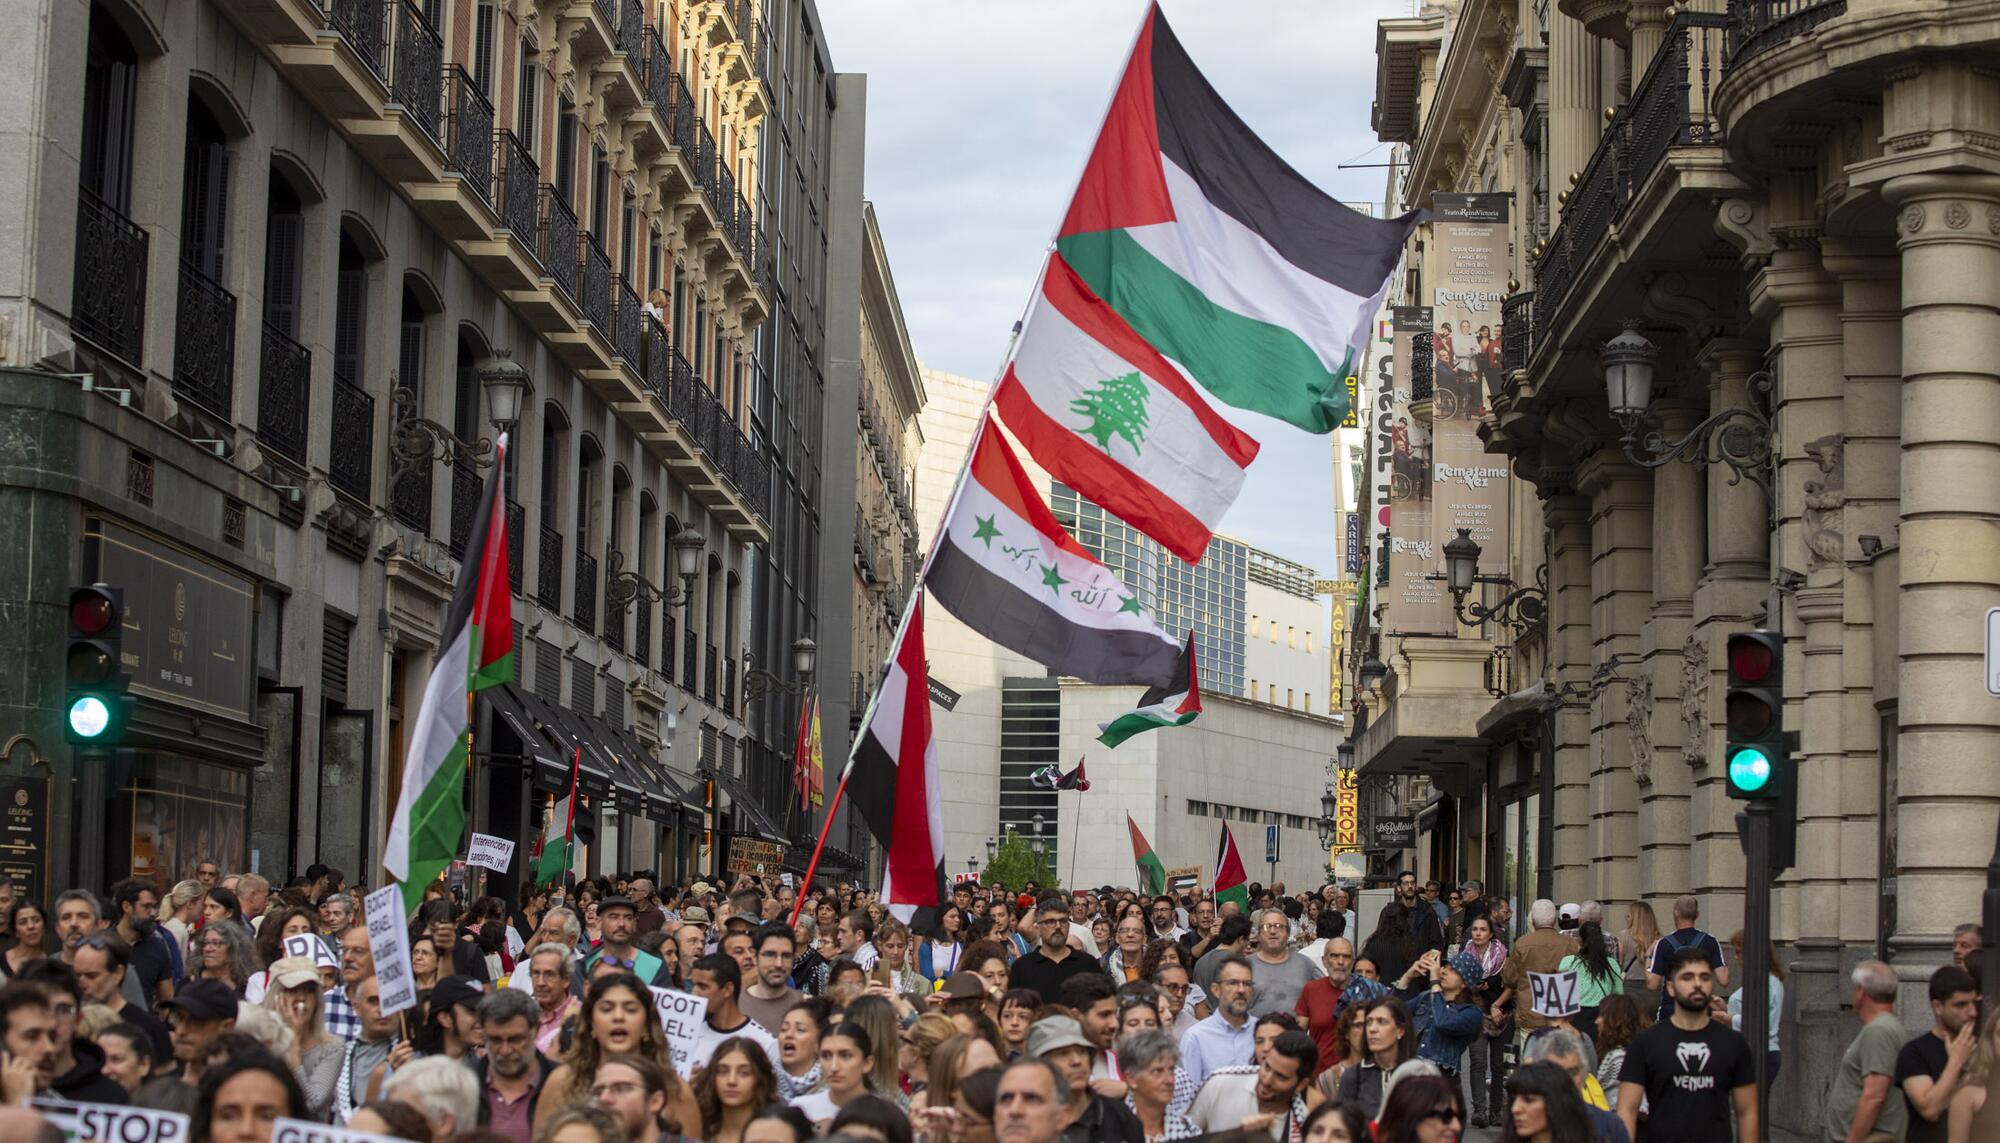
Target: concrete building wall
{"points": [[1284, 649]]}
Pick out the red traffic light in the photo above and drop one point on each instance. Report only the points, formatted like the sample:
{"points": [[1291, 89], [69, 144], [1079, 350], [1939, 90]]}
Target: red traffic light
{"points": [[1752, 656], [92, 610]]}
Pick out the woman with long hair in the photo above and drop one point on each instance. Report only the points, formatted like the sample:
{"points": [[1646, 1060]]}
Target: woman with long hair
{"points": [[225, 954], [1482, 1062], [1543, 1106], [987, 960], [423, 961], [28, 925], [241, 1098], [1387, 1039], [1424, 1109], [286, 921], [1975, 1110], [847, 1066], [1777, 997], [1637, 938], [951, 1062], [1597, 976], [884, 1027], [1353, 1039], [1332, 1122], [128, 1055], [871, 1117], [943, 947], [737, 1081], [1390, 946], [799, 1034], [618, 1017], [1619, 1022], [919, 1040], [294, 997], [896, 967]]}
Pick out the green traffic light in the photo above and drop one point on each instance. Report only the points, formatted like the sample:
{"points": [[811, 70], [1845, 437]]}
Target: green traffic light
{"points": [[89, 716], [1749, 769]]}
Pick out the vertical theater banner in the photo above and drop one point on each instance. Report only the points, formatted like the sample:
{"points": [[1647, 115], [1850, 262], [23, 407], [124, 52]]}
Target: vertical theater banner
{"points": [[1413, 603], [1468, 251]]}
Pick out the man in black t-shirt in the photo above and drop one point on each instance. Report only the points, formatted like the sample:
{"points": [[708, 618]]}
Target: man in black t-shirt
{"points": [[1053, 961], [1691, 1070], [1930, 1067]]}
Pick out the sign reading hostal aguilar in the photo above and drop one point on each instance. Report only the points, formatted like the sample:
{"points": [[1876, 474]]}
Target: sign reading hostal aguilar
{"points": [[1468, 266]]}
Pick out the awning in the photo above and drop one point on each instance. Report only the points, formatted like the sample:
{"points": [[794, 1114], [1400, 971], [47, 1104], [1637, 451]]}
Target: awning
{"points": [[750, 818], [614, 761], [1515, 712]]}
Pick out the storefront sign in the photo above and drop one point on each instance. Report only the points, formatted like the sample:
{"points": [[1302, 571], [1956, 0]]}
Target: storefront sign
{"points": [[188, 621], [1353, 418], [24, 832], [1468, 253], [1351, 544], [683, 1017], [389, 940], [752, 855], [1381, 454], [1395, 833], [1414, 604], [1346, 813], [489, 852]]}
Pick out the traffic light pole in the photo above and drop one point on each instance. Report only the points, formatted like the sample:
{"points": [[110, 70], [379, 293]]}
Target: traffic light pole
{"points": [[1756, 967], [93, 766], [1989, 930]]}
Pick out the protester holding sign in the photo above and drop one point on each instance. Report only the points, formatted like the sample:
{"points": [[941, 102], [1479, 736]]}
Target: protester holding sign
{"points": [[1597, 973], [1555, 997]]}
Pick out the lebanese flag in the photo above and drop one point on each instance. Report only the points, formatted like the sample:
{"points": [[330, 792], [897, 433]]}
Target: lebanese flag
{"points": [[1108, 416], [476, 651], [1175, 704], [1263, 287], [1231, 884], [1152, 874], [1010, 571], [893, 779]]}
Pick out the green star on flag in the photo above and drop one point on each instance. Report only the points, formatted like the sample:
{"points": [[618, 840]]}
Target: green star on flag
{"points": [[984, 529], [1051, 578], [1130, 603]]}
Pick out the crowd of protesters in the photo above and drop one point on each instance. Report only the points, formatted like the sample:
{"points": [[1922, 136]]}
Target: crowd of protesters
{"points": [[1023, 1017]]}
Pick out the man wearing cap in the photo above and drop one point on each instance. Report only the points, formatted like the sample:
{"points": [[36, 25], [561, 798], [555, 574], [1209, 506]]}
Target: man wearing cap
{"points": [[1092, 1118], [1566, 917], [770, 995], [961, 992], [197, 1014], [617, 920], [453, 1005]]}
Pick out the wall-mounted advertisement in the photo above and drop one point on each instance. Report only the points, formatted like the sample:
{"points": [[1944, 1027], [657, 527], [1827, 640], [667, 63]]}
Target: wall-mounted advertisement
{"points": [[1469, 271], [1413, 603]]}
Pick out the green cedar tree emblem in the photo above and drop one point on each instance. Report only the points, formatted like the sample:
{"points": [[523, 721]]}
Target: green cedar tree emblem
{"points": [[1117, 407]]}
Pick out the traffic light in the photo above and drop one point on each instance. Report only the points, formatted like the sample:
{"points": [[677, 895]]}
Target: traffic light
{"points": [[1756, 759], [95, 705]]}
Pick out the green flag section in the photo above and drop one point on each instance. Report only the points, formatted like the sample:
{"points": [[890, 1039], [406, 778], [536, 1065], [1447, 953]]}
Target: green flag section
{"points": [[1220, 254], [476, 652], [1230, 882], [557, 853], [1175, 704], [1152, 874]]}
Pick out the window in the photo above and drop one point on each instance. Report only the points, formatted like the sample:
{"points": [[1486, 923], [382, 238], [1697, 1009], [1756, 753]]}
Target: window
{"points": [[1292, 637], [350, 313], [565, 157], [110, 79], [1309, 640], [1288, 698], [600, 192], [284, 242], [1271, 693], [1309, 702], [1253, 627], [482, 47], [627, 236], [204, 192], [527, 97]]}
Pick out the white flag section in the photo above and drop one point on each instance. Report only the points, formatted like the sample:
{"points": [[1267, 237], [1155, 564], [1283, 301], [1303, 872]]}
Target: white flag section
{"points": [[302, 1131], [684, 1018], [1553, 993], [489, 852], [312, 948], [389, 940], [110, 1123]]}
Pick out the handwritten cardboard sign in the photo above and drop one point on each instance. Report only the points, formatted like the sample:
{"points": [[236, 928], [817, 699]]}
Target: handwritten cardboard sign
{"points": [[489, 852], [684, 1019], [389, 940], [1553, 993]]}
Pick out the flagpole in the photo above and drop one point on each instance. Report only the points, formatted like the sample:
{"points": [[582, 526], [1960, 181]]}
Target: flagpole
{"points": [[799, 901]]}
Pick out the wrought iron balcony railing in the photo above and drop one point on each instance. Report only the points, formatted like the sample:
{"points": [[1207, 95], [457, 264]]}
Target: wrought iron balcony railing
{"points": [[583, 607], [659, 370], [548, 568], [669, 648], [593, 270], [204, 342], [729, 687], [631, 25], [1755, 25], [614, 619], [419, 67], [681, 118], [517, 548], [365, 25], [465, 490], [350, 462], [559, 241], [1517, 331], [284, 394], [659, 72], [708, 675], [410, 498], [514, 187], [469, 133], [690, 660], [628, 325], [108, 300], [642, 631]]}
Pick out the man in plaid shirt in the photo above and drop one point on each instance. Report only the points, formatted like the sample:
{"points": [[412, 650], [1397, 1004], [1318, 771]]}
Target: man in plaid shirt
{"points": [[357, 963]]}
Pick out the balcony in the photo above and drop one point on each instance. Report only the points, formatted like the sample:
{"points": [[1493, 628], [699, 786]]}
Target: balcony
{"points": [[108, 302], [867, 550], [403, 137], [659, 82], [465, 495], [410, 493], [1757, 25], [510, 259], [729, 688], [419, 68], [1517, 333], [596, 27], [593, 271], [350, 462], [550, 303], [517, 547], [583, 604], [642, 631], [614, 620], [461, 205], [548, 568], [659, 361], [708, 675], [284, 395], [204, 342], [690, 660], [279, 21], [669, 649], [1422, 720], [343, 70], [628, 327]]}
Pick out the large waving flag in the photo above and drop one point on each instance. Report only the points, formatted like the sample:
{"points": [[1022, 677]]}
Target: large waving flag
{"points": [[1263, 287], [1010, 571], [477, 651], [895, 778], [1107, 415], [1152, 874], [1231, 883], [1175, 704]]}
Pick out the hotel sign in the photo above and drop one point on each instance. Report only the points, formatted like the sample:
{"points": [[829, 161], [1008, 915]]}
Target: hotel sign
{"points": [[188, 621], [1346, 813]]}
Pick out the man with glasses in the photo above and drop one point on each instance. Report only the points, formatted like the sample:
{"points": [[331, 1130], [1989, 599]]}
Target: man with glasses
{"points": [[770, 995], [357, 963], [1202, 925], [1226, 1038], [1281, 973], [100, 963], [197, 1015], [512, 1071], [1171, 977], [1161, 914], [618, 920], [1053, 961]]}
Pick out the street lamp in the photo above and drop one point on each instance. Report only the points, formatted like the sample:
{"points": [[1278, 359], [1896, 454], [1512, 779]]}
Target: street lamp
{"points": [[1373, 671], [972, 865], [622, 587], [416, 442], [1344, 756], [992, 849], [758, 682], [1743, 439], [1328, 804], [1522, 607]]}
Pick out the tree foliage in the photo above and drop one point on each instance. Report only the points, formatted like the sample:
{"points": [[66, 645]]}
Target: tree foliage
{"points": [[1015, 863]]}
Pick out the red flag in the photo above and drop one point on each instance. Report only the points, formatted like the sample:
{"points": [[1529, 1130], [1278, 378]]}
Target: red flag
{"points": [[895, 767]]}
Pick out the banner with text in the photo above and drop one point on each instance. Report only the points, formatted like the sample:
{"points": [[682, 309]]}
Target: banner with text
{"points": [[684, 1019], [1468, 251], [113, 1123], [489, 852], [389, 941], [1413, 604]]}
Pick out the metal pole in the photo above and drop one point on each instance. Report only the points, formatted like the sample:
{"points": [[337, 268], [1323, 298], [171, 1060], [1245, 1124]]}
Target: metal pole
{"points": [[1989, 930], [1756, 968], [93, 765]]}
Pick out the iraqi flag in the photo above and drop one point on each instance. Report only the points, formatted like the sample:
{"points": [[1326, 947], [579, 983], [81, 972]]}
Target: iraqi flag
{"points": [[1175, 704], [1108, 416], [1152, 874], [1231, 884], [1259, 284], [1008, 570], [476, 651], [893, 779]]}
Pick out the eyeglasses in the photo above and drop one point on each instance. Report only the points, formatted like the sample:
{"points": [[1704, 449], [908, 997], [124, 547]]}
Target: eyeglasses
{"points": [[1445, 1114], [620, 1087]]}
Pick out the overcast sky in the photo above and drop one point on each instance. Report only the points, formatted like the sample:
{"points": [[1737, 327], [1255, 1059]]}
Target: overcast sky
{"points": [[980, 113]]}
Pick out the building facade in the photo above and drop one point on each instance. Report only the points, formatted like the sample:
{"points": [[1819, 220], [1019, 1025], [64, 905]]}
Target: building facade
{"points": [[1284, 646], [282, 276], [1793, 209]]}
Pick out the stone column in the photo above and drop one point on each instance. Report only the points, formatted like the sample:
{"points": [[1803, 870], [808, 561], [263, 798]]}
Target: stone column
{"points": [[1947, 786], [1575, 115], [1679, 551], [1568, 517], [1648, 21], [1621, 580]]}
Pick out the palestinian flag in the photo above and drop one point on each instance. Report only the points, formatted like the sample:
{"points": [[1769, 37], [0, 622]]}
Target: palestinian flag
{"points": [[1152, 874], [1230, 882], [897, 790], [1218, 253], [1108, 416], [1011, 572], [557, 858], [477, 651], [1174, 704]]}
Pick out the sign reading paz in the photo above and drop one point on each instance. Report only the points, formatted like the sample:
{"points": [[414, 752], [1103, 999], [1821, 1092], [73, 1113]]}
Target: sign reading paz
{"points": [[684, 1019], [313, 949], [389, 941], [489, 852], [1553, 993]]}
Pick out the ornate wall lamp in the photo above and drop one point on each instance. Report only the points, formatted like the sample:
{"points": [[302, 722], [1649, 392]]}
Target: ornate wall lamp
{"points": [[1743, 439]]}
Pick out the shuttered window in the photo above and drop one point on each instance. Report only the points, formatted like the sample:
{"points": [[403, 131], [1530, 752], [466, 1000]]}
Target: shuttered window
{"points": [[336, 644], [482, 47], [548, 672], [582, 687], [284, 241], [204, 193], [350, 315]]}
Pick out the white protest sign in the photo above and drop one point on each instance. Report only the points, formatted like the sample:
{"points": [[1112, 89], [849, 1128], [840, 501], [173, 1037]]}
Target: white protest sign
{"points": [[389, 940], [108, 1123], [684, 1018], [313, 949], [1553, 993], [302, 1131], [490, 852]]}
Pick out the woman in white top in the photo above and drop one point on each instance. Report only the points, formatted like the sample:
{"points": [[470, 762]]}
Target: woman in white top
{"points": [[846, 1063]]}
